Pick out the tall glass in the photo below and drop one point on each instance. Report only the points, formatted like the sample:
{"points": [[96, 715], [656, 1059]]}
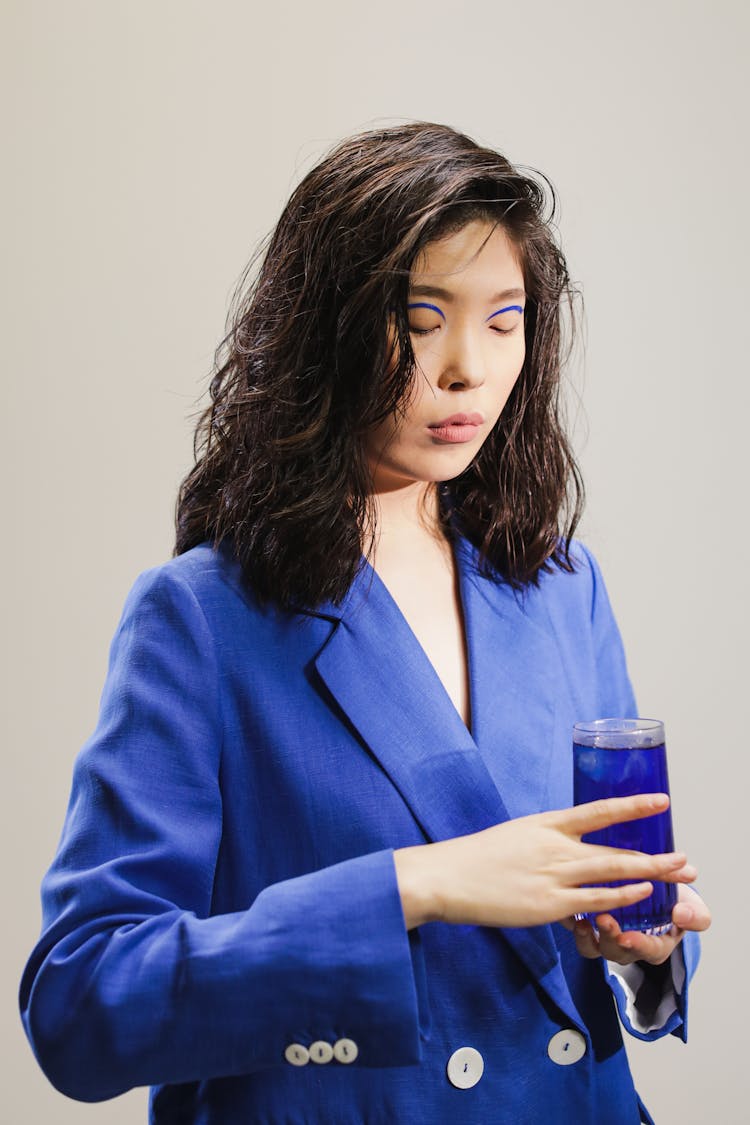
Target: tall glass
{"points": [[619, 758]]}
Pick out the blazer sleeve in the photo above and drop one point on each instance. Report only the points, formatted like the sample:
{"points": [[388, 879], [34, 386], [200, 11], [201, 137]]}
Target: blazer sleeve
{"points": [[134, 981], [650, 1004]]}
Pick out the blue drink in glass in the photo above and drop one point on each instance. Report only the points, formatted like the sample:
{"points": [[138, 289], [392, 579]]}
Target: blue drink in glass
{"points": [[619, 758]]}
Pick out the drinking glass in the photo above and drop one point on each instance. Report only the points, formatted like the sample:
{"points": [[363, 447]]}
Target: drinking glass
{"points": [[619, 758]]}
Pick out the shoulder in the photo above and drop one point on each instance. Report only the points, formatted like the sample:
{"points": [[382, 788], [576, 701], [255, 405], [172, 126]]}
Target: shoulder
{"points": [[577, 605], [570, 602], [197, 589], [557, 589], [203, 593], [578, 588], [204, 572]]}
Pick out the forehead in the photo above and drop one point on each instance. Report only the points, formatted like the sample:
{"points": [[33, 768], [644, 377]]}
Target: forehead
{"points": [[479, 253]]}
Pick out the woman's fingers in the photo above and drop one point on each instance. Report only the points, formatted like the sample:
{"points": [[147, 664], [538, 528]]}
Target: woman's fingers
{"points": [[586, 942], [631, 945], [607, 865], [691, 912], [607, 940], [582, 819], [600, 900], [626, 946]]}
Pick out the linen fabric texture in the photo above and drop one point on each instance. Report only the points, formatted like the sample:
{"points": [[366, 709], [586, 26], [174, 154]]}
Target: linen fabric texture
{"points": [[225, 886]]}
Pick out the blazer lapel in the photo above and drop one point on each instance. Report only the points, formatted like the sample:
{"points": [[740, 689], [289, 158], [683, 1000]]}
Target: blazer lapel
{"points": [[516, 680], [380, 676]]}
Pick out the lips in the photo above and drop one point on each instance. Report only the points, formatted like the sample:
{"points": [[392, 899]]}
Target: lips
{"points": [[474, 419], [457, 429]]}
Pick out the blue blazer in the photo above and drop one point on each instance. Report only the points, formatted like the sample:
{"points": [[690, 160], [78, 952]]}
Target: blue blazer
{"points": [[224, 891]]}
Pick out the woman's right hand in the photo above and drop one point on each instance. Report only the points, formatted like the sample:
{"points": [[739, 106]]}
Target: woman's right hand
{"points": [[535, 869]]}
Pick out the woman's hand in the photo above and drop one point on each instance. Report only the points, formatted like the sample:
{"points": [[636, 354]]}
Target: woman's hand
{"points": [[534, 869], [690, 913]]}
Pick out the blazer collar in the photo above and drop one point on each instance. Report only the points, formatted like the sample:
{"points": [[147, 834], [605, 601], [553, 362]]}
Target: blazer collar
{"points": [[380, 676]]}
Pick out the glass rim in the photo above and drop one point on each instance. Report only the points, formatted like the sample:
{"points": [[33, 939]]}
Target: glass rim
{"points": [[614, 726], [619, 734]]}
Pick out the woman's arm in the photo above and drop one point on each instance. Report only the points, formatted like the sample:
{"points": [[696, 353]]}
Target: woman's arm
{"points": [[135, 980]]}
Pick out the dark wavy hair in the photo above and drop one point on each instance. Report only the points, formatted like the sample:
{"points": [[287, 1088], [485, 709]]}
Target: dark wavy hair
{"points": [[280, 470]]}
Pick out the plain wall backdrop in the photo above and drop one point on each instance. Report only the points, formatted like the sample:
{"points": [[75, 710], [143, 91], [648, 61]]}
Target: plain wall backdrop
{"points": [[151, 144]]}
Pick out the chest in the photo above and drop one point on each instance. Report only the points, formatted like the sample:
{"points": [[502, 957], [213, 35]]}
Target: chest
{"points": [[352, 731], [429, 601]]}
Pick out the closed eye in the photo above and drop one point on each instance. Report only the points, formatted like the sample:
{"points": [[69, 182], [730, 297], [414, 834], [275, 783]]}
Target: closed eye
{"points": [[512, 315], [424, 330], [512, 318]]}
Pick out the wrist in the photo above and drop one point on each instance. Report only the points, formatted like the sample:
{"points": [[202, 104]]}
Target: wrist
{"points": [[413, 875]]}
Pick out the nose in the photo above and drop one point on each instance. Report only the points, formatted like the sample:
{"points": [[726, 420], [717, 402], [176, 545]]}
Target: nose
{"points": [[462, 365]]}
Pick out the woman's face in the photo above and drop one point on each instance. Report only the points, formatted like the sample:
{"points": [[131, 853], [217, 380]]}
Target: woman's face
{"points": [[466, 302]]}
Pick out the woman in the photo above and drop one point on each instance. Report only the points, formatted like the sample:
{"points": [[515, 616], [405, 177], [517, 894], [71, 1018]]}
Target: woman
{"points": [[308, 872]]}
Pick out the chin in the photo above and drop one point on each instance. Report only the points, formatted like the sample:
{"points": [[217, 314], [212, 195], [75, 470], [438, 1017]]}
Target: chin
{"points": [[450, 469]]}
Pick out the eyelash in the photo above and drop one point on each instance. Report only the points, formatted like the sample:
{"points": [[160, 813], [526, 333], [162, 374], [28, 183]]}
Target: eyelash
{"points": [[493, 327]]}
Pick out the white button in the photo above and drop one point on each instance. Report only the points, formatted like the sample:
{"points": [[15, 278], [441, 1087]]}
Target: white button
{"points": [[345, 1050], [296, 1054], [320, 1051], [465, 1068], [566, 1047]]}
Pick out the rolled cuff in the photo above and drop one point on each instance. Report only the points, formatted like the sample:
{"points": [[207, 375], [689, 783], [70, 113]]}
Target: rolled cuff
{"points": [[652, 1002]]}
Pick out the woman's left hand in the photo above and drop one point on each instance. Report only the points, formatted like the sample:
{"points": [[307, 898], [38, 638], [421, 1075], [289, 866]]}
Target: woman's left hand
{"points": [[624, 947]]}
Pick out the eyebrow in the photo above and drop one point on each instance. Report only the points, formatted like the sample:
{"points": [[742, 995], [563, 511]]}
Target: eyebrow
{"points": [[446, 295]]}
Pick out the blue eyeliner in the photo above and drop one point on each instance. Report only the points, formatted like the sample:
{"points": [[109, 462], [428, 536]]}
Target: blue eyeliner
{"points": [[508, 308], [425, 305]]}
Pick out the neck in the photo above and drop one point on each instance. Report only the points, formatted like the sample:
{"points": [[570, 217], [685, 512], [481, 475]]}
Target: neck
{"points": [[407, 521]]}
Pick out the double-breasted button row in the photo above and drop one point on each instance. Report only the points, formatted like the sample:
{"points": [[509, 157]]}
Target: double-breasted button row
{"points": [[343, 1051], [466, 1065]]}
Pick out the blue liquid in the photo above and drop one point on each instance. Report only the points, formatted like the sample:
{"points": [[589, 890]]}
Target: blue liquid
{"points": [[622, 773]]}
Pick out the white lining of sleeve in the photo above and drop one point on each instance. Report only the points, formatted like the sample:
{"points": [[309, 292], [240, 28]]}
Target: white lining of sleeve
{"points": [[631, 977]]}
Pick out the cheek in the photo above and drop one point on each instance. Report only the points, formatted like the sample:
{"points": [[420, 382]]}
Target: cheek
{"points": [[384, 437], [512, 366], [520, 354], [516, 367], [378, 438], [508, 379]]}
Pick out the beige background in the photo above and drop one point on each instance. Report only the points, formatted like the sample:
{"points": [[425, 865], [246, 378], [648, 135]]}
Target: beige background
{"points": [[150, 143]]}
